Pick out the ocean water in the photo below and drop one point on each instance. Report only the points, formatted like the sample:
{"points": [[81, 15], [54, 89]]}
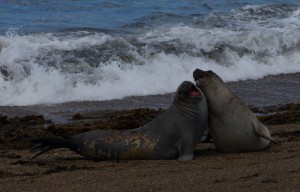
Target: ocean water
{"points": [[76, 50]]}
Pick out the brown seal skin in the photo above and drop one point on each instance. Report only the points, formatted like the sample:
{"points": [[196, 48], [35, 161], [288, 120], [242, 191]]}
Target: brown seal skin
{"points": [[172, 135], [232, 125]]}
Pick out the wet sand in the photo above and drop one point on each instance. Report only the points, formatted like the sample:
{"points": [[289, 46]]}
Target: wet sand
{"points": [[274, 169], [271, 90]]}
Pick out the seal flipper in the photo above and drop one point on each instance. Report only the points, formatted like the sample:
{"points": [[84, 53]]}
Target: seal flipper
{"points": [[47, 144], [263, 132], [207, 138], [186, 150], [40, 149]]}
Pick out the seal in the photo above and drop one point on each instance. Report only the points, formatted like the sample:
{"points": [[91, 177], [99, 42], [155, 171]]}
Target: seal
{"points": [[232, 125], [172, 135]]}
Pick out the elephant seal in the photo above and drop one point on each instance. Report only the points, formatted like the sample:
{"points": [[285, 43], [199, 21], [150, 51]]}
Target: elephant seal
{"points": [[232, 125], [172, 135]]}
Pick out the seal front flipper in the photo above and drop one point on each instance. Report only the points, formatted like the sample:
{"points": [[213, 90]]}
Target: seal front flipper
{"points": [[207, 138], [40, 149], [263, 132], [186, 150]]}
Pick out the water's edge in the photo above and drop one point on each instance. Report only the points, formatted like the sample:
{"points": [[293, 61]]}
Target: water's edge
{"points": [[271, 90]]}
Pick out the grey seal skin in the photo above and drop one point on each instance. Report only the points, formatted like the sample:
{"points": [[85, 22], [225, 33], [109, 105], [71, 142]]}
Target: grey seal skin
{"points": [[172, 135], [232, 125]]}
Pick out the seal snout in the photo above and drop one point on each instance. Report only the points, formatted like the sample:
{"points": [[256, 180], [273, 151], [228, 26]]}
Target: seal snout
{"points": [[198, 74]]}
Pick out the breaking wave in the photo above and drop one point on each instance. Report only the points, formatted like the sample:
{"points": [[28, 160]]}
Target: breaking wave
{"points": [[94, 64]]}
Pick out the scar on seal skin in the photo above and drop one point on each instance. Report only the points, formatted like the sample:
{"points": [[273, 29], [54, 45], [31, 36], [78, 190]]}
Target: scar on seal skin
{"points": [[232, 125], [172, 135]]}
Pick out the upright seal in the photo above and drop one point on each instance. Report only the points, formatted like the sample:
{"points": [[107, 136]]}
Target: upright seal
{"points": [[172, 135], [232, 125]]}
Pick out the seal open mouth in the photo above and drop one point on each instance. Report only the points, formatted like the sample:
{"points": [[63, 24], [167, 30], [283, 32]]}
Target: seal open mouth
{"points": [[194, 91]]}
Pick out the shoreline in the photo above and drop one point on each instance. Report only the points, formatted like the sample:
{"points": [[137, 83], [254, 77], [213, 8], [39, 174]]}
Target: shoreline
{"points": [[269, 91]]}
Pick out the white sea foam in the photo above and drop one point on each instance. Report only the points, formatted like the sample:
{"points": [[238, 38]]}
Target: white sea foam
{"points": [[34, 70]]}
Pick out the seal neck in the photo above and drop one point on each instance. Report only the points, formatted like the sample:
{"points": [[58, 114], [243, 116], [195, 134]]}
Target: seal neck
{"points": [[189, 108]]}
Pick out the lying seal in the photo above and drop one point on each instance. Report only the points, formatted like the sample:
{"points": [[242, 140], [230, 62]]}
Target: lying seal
{"points": [[232, 125], [172, 135]]}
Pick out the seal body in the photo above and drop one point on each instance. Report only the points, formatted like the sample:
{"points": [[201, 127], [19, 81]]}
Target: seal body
{"points": [[232, 125], [172, 135]]}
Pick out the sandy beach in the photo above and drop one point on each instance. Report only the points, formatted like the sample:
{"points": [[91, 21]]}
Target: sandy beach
{"points": [[274, 169], [68, 67]]}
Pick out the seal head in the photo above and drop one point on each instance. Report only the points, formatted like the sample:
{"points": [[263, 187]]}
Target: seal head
{"points": [[188, 96]]}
